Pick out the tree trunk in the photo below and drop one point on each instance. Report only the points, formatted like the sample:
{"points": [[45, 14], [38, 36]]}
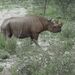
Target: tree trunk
{"points": [[44, 8]]}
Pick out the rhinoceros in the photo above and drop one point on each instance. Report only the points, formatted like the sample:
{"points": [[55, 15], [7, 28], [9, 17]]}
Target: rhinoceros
{"points": [[29, 26]]}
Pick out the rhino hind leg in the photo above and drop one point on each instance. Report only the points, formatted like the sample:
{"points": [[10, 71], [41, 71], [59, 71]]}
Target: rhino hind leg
{"points": [[35, 41], [8, 31], [9, 34]]}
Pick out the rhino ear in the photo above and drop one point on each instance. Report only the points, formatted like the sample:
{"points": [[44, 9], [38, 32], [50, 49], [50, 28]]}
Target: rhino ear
{"points": [[50, 20], [61, 24]]}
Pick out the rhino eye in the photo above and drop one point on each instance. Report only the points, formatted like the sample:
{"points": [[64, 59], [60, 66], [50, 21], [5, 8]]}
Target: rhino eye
{"points": [[54, 27]]}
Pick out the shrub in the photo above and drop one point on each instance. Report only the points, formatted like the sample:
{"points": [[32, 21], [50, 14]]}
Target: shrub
{"points": [[4, 54], [1, 68], [8, 44], [2, 42]]}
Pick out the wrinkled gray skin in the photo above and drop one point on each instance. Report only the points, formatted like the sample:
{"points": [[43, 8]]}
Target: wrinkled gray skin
{"points": [[28, 26]]}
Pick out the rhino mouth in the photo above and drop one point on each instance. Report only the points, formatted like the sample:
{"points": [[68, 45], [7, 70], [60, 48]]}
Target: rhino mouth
{"points": [[57, 31]]}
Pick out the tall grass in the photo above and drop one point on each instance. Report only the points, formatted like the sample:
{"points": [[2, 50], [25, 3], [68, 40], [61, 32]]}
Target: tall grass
{"points": [[8, 44]]}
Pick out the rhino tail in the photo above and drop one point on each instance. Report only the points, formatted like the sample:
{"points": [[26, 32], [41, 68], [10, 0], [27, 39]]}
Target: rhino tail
{"points": [[9, 33]]}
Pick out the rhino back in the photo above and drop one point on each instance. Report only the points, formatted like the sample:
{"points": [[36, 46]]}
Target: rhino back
{"points": [[25, 26]]}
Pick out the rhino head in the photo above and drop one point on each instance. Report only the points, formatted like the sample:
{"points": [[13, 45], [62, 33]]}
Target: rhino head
{"points": [[54, 27]]}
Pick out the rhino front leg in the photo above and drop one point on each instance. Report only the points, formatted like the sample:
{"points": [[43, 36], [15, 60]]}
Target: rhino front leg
{"points": [[35, 41], [34, 38]]}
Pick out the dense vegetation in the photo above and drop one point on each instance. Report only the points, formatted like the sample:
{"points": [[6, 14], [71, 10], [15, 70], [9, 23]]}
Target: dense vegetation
{"points": [[58, 58]]}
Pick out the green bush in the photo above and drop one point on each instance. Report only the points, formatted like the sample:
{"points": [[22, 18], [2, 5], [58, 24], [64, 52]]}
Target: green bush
{"points": [[1, 68], [10, 45], [2, 42], [68, 30], [4, 54]]}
